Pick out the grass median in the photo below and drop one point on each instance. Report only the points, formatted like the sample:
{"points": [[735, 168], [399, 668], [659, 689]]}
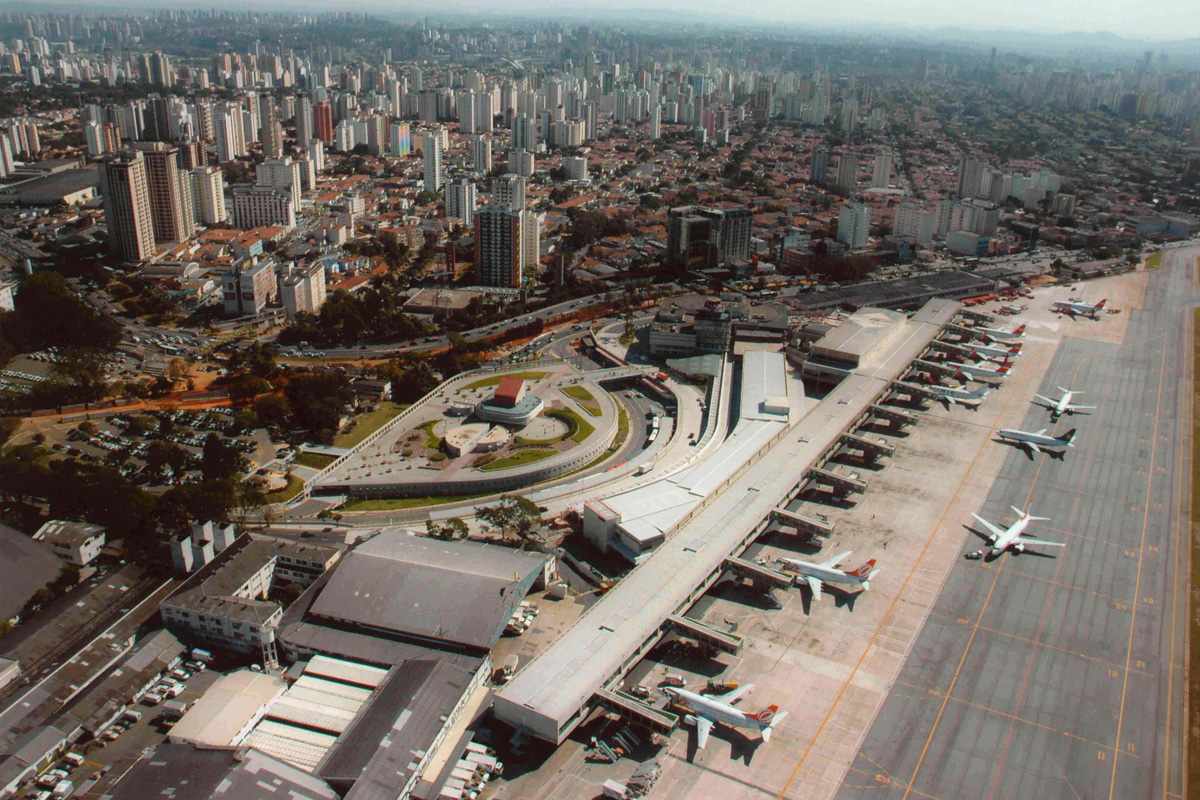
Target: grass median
{"points": [[366, 424]]}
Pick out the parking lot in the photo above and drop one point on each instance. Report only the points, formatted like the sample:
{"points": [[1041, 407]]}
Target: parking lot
{"points": [[114, 751], [126, 439]]}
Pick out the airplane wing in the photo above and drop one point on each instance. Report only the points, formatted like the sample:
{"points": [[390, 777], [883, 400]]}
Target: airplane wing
{"points": [[1041, 542], [735, 695], [1043, 401], [839, 558], [703, 727], [995, 532], [814, 584], [1080, 409], [1042, 432]]}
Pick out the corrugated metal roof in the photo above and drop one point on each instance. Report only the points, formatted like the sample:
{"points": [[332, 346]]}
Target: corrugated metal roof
{"points": [[347, 671], [461, 592], [227, 707]]}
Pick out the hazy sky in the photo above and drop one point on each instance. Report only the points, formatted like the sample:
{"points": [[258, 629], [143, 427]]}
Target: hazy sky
{"points": [[1157, 19]]}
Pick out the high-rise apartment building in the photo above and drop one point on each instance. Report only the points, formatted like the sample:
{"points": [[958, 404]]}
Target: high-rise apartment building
{"points": [[499, 251], [431, 151], [881, 173], [254, 206], [127, 207], [208, 195], [283, 174], [460, 200], [970, 175], [510, 192], [170, 193], [819, 166], [847, 174], [481, 154], [854, 225], [323, 121], [305, 129], [400, 140], [714, 236]]}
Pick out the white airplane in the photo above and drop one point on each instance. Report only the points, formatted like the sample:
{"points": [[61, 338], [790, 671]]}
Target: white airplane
{"points": [[1074, 308], [980, 372], [1010, 351], [707, 710], [1013, 537], [959, 395], [1062, 405], [814, 574], [1038, 441], [1000, 335], [992, 355]]}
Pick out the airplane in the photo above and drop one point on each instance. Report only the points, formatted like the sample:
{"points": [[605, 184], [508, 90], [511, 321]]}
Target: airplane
{"points": [[1001, 335], [1074, 308], [1038, 441], [992, 355], [1062, 405], [1013, 537], [1011, 351], [959, 395], [980, 372], [980, 350], [1006, 309], [814, 573], [708, 710]]}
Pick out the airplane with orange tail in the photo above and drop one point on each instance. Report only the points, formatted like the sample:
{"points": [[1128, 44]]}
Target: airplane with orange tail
{"points": [[705, 711], [815, 574]]}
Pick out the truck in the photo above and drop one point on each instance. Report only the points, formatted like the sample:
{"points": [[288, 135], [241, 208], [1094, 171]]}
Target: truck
{"points": [[64, 789], [506, 669], [200, 654]]}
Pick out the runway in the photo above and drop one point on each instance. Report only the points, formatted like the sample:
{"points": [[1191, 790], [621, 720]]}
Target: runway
{"points": [[1063, 677]]}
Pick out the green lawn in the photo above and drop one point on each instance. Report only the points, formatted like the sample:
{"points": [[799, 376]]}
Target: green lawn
{"points": [[314, 460], [432, 440], [585, 399], [366, 424], [495, 379], [580, 428], [294, 485], [517, 459], [618, 441], [1154, 261], [400, 503]]}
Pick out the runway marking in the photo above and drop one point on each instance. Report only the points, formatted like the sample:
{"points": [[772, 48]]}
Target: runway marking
{"points": [[1060, 584], [1137, 583], [1010, 716], [883, 773], [1182, 467], [970, 640], [1055, 648], [862, 657]]}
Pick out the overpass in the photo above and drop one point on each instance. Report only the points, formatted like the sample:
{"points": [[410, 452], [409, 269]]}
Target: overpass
{"points": [[620, 629], [620, 373]]}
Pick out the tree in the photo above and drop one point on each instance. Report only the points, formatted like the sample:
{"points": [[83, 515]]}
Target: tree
{"points": [[453, 528], [512, 517], [177, 370], [161, 454], [219, 460]]}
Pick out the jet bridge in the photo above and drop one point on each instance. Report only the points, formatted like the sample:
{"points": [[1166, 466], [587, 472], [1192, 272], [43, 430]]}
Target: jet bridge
{"points": [[629, 707], [936, 368], [764, 576], [803, 523], [977, 316], [726, 642], [841, 484], [871, 448], [895, 416]]}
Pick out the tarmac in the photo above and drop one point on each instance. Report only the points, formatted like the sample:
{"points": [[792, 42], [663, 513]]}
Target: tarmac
{"points": [[1063, 677]]}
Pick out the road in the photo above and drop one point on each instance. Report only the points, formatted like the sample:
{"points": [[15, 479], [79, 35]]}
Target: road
{"points": [[1064, 677]]}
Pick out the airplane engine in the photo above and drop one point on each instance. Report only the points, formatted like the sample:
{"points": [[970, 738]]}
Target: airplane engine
{"points": [[1018, 548]]}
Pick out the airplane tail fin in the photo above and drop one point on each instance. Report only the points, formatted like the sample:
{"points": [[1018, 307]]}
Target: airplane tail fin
{"points": [[1100, 305], [1027, 515], [1003, 368], [1016, 348], [766, 716], [1019, 331], [865, 571], [775, 720], [1068, 437]]}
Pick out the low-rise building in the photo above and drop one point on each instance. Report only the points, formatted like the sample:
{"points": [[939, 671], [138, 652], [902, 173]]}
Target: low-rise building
{"points": [[77, 543]]}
